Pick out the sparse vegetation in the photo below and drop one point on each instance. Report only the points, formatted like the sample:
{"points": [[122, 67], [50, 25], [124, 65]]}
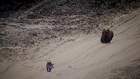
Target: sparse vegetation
{"points": [[131, 72], [54, 20], [128, 72], [29, 27]]}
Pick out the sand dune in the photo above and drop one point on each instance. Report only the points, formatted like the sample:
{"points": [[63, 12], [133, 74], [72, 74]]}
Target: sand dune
{"points": [[84, 57]]}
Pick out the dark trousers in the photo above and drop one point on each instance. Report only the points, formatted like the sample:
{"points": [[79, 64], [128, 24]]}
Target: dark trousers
{"points": [[49, 69]]}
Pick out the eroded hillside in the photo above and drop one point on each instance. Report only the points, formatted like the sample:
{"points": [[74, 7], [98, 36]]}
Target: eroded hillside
{"points": [[69, 35]]}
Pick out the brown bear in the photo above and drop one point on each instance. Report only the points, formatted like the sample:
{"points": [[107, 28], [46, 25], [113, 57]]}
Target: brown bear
{"points": [[107, 36], [104, 32]]}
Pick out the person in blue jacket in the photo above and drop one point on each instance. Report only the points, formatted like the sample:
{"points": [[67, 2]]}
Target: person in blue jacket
{"points": [[49, 66]]}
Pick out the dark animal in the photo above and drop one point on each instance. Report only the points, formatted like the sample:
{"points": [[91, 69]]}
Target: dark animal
{"points": [[107, 36], [103, 36], [49, 66]]}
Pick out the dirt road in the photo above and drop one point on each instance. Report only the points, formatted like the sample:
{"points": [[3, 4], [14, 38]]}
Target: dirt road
{"points": [[84, 57]]}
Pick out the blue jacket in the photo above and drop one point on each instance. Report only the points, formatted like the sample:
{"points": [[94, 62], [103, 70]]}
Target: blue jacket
{"points": [[49, 65]]}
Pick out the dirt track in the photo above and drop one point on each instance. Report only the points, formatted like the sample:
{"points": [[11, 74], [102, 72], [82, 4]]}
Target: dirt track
{"points": [[84, 57]]}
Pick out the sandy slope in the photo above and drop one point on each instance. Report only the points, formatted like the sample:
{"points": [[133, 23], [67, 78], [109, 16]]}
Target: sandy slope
{"points": [[84, 57]]}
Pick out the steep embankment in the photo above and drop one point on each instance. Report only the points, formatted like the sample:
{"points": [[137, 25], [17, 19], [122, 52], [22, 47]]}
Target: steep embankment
{"points": [[84, 57]]}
